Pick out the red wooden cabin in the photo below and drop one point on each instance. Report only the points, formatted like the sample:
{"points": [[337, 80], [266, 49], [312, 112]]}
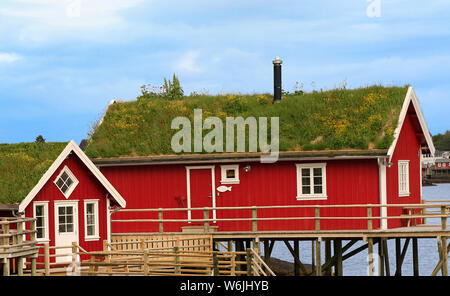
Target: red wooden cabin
{"points": [[376, 177]]}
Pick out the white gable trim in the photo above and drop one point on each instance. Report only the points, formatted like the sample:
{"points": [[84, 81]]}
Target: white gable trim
{"points": [[411, 97], [72, 146]]}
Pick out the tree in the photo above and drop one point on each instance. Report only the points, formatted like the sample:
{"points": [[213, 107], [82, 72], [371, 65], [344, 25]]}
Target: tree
{"points": [[40, 139], [442, 141]]}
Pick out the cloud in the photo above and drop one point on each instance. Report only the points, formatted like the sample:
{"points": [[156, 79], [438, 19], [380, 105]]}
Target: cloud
{"points": [[188, 63], [9, 58]]}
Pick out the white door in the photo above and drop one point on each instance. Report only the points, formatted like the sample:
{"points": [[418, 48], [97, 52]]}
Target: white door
{"points": [[66, 228]]}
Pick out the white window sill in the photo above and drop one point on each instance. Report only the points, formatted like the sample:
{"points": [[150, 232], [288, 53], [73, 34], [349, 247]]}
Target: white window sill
{"points": [[91, 238], [229, 182], [309, 197], [42, 241], [404, 194]]}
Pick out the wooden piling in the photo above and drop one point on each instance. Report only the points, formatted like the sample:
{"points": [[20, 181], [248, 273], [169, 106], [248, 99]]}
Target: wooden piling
{"points": [[318, 259], [370, 253], [415, 257]]}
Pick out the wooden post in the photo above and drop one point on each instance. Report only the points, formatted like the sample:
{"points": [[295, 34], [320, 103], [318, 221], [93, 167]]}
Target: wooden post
{"points": [[249, 262], [313, 253], [206, 222], [161, 219], [386, 258], [47, 259], [318, 259], [317, 217], [215, 264], [415, 257], [338, 255], [369, 218], [146, 271], [327, 256], [33, 239], [296, 263], [444, 256], [370, 251], [176, 260], [444, 219], [6, 267], [20, 241], [254, 219], [381, 257], [233, 264], [398, 264]]}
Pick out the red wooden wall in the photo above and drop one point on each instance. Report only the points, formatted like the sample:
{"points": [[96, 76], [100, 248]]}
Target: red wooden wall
{"points": [[164, 186], [407, 148]]}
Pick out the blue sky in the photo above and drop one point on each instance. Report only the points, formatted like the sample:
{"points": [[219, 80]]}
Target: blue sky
{"points": [[63, 61]]}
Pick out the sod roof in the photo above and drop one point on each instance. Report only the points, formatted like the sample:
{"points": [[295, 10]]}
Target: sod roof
{"points": [[340, 119], [21, 167]]}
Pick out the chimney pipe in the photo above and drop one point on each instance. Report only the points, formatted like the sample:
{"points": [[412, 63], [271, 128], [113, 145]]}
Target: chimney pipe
{"points": [[277, 80]]}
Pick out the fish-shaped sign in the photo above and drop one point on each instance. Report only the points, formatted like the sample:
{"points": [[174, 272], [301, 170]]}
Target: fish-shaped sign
{"points": [[223, 188]]}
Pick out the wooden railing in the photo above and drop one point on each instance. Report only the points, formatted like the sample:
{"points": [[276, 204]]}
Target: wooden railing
{"points": [[13, 243], [414, 212]]}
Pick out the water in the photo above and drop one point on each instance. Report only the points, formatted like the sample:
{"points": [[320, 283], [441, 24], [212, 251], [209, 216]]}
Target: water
{"points": [[357, 265]]}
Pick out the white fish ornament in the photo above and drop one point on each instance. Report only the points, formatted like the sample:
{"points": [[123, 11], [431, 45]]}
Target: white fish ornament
{"points": [[223, 188]]}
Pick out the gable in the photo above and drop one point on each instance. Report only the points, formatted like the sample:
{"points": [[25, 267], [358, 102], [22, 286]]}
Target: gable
{"points": [[411, 111], [72, 148]]}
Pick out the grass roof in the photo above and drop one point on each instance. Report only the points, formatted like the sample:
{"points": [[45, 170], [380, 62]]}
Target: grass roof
{"points": [[339, 119], [22, 165]]}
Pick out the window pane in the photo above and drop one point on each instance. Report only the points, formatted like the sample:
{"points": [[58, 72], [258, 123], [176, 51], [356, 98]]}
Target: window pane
{"points": [[317, 180], [64, 176], [40, 233], [62, 219], [231, 174], [59, 183], [62, 228], [90, 230], [90, 208], [90, 219], [64, 188], [317, 189], [306, 181], [39, 211], [69, 182], [61, 210], [305, 172], [69, 210], [69, 219], [306, 190], [69, 227], [39, 222], [317, 172]]}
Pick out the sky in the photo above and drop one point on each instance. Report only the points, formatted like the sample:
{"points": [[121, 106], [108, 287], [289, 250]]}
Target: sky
{"points": [[63, 61]]}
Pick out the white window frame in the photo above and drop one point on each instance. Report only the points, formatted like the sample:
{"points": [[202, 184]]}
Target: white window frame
{"points": [[312, 195], [46, 225], [71, 176], [223, 174], [96, 235], [403, 178]]}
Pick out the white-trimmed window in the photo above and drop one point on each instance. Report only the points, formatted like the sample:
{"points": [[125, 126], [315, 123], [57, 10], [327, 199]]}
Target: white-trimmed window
{"points": [[229, 174], [311, 181], [66, 182], [403, 177], [91, 220], [40, 210]]}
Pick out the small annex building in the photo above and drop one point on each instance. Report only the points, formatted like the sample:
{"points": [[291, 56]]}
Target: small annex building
{"points": [[57, 184]]}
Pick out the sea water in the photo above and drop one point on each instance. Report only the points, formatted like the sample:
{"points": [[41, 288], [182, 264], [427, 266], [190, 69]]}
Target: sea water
{"points": [[358, 264]]}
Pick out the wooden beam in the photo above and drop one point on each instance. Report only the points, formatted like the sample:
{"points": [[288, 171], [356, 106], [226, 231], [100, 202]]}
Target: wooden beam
{"points": [[370, 253], [300, 264], [338, 254], [398, 272], [297, 253], [318, 258], [386, 258], [415, 257]]}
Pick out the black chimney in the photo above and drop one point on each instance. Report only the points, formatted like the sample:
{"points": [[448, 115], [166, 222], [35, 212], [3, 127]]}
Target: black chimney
{"points": [[277, 79]]}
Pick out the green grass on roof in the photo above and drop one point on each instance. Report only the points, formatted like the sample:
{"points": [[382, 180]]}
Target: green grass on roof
{"points": [[363, 118], [21, 167]]}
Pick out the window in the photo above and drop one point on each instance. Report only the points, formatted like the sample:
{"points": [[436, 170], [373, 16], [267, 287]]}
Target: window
{"points": [[41, 215], [403, 177], [66, 182], [311, 181], [91, 219], [230, 174], [65, 219]]}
